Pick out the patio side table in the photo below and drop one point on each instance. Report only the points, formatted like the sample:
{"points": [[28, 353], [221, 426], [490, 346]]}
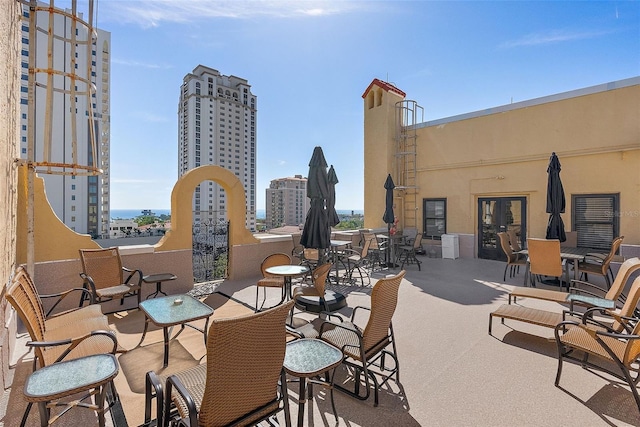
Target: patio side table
{"points": [[307, 359], [158, 279], [49, 384]]}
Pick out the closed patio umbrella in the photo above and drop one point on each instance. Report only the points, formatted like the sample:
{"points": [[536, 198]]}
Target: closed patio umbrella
{"points": [[555, 200], [317, 233], [389, 216], [332, 215]]}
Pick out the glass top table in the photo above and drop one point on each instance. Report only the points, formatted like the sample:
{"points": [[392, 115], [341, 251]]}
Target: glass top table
{"points": [[306, 358], [287, 271], [173, 310], [67, 378]]}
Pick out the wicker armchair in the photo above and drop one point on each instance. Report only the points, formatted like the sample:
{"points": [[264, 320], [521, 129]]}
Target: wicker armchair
{"points": [[358, 261], [600, 265], [319, 278], [242, 382], [514, 260], [545, 260], [269, 280], [69, 335], [103, 274], [620, 346], [407, 253], [366, 347]]}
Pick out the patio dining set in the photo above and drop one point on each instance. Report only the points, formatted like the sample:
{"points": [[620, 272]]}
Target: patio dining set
{"points": [[75, 351]]}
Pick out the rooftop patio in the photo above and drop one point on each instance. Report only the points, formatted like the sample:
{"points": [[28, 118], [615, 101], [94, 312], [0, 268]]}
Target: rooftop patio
{"points": [[452, 372]]}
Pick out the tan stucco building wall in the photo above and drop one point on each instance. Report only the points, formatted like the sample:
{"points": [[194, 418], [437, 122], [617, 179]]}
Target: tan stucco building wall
{"points": [[505, 152]]}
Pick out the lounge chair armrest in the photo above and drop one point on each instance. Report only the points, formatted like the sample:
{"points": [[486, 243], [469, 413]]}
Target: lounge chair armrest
{"points": [[174, 382], [74, 342], [63, 295], [592, 289], [88, 282]]}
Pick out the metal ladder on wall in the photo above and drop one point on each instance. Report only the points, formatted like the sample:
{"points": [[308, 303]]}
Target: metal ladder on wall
{"points": [[408, 115]]}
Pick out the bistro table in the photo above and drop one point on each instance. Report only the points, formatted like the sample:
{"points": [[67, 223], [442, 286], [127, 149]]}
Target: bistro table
{"points": [[335, 255], [173, 310], [307, 359], [570, 254], [89, 374], [392, 241], [288, 272]]}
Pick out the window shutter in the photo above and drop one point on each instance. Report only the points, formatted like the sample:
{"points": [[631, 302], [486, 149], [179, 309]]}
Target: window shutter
{"points": [[595, 220]]}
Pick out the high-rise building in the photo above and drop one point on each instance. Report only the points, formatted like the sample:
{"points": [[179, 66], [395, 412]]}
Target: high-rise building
{"points": [[287, 202], [71, 87], [217, 126]]}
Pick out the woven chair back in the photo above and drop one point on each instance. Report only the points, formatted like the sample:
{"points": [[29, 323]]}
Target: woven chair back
{"points": [[365, 249], [506, 247], [627, 268], [384, 299], [615, 245], [630, 304], [103, 265], [372, 237], [319, 277], [418, 241], [24, 298], [272, 261], [544, 257], [244, 359], [356, 240], [513, 240]]}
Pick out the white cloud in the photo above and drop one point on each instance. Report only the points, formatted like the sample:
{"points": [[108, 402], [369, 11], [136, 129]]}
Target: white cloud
{"points": [[553, 36], [152, 13]]}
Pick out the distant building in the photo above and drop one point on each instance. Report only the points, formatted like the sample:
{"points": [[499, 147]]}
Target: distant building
{"points": [[122, 228], [287, 202], [80, 201], [217, 126]]}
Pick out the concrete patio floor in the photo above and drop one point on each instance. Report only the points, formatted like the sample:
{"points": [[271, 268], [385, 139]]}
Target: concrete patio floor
{"points": [[452, 372]]}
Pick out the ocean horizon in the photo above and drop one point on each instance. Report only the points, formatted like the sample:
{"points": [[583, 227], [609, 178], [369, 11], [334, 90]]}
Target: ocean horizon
{"points": [[260, 213]]}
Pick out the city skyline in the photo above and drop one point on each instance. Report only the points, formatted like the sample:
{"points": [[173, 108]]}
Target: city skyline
{"points": [[310, 62]]}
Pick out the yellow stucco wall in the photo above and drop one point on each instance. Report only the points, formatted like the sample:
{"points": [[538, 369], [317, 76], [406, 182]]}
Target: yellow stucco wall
{"points": [[596, 136]]}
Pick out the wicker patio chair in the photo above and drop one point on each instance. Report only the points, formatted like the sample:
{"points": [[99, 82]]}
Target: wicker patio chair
{"points": [[358, 261], [619, 346], [269, 280], [296, 252], [514, 260], [103, 274], [514, 241], [242, 382], [407, 253], [370, 346], [579, 287], [594, 264], [319, 280], [69, 335], [545, 260]]}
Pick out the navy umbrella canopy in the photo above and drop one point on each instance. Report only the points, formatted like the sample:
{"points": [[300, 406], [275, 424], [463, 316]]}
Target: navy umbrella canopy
{"points": [[555, 200], [317, 232], [332, 215]]}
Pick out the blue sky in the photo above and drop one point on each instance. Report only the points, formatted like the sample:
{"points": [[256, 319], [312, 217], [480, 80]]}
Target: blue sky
{"points": [[310, 62]]}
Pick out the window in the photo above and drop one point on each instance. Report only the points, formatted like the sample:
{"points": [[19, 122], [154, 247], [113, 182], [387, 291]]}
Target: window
{"points": [[435, 218], [595, 218]]}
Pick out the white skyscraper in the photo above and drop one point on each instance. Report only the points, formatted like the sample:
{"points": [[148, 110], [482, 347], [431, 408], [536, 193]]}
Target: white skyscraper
{"points": [[71, 109], [287, 202], [217, 126]]}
